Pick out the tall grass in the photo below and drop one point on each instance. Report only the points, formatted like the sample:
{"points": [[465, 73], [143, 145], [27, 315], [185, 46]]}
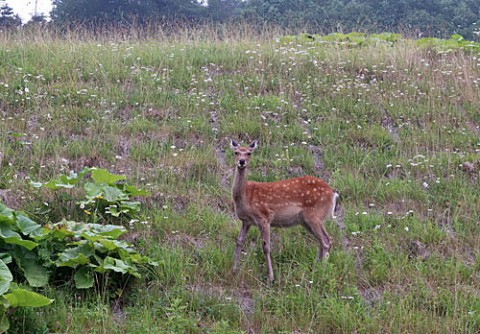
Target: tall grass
{"points": [[393, 128]]}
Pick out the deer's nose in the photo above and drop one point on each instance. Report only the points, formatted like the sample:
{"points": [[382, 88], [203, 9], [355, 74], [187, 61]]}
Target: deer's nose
{"points": [[241, 161]]}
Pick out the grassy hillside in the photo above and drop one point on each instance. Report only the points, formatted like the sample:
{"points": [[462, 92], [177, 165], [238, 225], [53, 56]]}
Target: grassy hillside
{"points": [[393, 127]]}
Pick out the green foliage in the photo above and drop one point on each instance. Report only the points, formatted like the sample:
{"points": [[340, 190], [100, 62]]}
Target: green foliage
{"points": [[41, 255], [8, 20], [438, 18], [107, 196], [16, 230], [95, 249], [456, 42], [355, 39], [121, 12]]}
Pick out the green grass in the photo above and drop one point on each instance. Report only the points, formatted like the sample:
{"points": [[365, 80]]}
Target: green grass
{"points": [[390, 127]]}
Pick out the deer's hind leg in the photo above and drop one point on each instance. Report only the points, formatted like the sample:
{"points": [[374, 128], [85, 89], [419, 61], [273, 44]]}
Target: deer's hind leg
{"points": [[314, 224]]}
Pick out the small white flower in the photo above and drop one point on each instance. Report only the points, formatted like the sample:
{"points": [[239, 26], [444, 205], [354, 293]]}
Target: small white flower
{"points": [[406, 228]]}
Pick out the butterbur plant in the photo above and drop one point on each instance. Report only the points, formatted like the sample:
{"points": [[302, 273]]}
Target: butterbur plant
{"points": [[17, 234], [67, 251], [89, 249], [106, 196]]}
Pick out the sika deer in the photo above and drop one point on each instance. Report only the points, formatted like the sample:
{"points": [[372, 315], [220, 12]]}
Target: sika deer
{"points": [[306, 200]]}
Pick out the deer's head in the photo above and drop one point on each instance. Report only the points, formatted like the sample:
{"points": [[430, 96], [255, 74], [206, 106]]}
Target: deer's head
{"points": [[242, 153]]}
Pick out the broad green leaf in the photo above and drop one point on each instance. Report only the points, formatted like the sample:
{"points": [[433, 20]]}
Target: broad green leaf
{"points": [[90, 236], [73, 257], [5, 278], [19, 241], [6, 257], [112, 231], [36, 274], [130, 205], [104, 176], [57, 184], [28, 226], [12, 237], [93, 190], [64, 181], [122, 247], [134, 191], [110, 245], [83, 278], [24, 298], [74, 227], [6, 213], [113, 194], [6, 230], [116, 265], [61, 233], [65, 261]]}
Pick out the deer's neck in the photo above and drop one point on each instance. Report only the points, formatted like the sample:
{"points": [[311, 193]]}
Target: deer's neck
{"points": [[239, 186]]}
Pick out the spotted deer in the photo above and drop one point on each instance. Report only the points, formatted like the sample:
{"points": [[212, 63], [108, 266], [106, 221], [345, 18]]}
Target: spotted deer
{"points": [[305, 200]]}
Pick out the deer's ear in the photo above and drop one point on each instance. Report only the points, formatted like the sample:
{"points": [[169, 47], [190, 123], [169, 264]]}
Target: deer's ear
{"points": [[233, 144], [254, 144]]}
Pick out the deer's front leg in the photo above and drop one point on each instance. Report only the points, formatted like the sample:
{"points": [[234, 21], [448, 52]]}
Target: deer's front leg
{"points": [[265, 232], [242, 236]]}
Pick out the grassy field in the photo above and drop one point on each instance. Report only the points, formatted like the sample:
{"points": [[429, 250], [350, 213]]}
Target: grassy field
{"points": [[393, 128]]}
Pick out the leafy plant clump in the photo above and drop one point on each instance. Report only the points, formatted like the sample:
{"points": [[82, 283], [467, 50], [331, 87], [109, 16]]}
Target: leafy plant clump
{"points": [[13, 247], [79, 254], [106, 197], [455, 42], [358, 40], [350, 40]]}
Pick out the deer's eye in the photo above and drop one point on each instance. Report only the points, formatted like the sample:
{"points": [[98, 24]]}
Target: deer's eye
{"points": [[236, 153], [249, 154]]}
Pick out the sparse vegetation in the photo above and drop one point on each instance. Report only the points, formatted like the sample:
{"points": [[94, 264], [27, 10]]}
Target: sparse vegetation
{"points": [[392, 126]]}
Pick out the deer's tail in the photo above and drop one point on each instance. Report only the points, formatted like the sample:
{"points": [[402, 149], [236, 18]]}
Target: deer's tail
{"points": [[334, 204]]}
